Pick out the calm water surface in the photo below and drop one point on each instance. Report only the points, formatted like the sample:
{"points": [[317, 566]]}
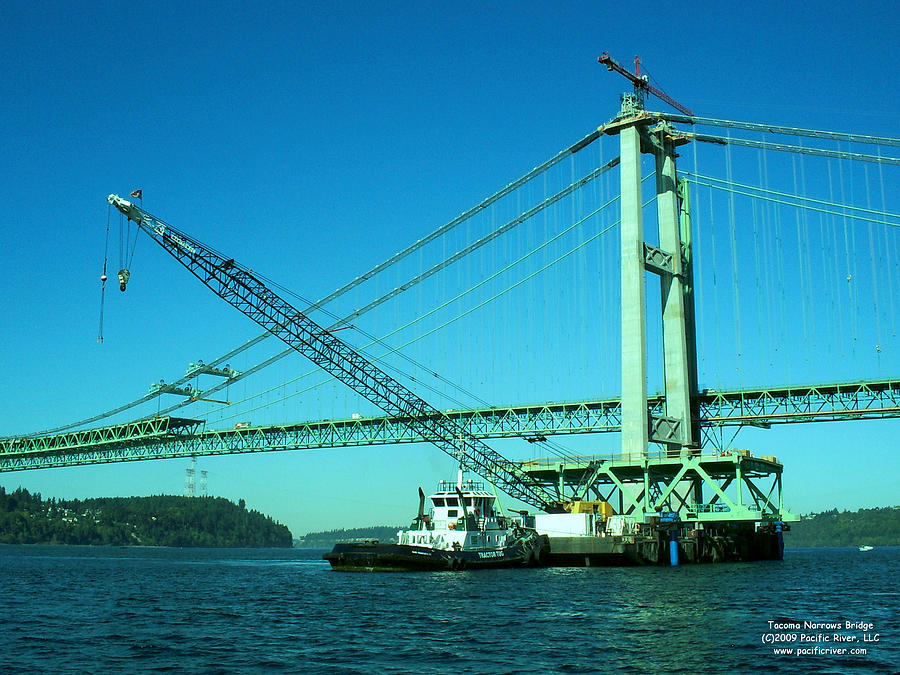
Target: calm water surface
{"points": [[84, 609]]}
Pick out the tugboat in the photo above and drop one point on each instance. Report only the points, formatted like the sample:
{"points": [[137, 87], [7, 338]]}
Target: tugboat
{"points": [[463, 530]]}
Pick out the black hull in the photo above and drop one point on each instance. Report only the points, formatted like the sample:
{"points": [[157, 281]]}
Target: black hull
{"points": [[370, 556]]}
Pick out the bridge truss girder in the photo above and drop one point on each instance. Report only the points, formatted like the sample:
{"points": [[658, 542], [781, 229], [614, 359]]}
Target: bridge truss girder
{"points": [[810, 403], [163, 438]]}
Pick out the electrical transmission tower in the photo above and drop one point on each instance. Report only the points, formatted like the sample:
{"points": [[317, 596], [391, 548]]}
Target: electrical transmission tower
{"points": [[190, 484]]}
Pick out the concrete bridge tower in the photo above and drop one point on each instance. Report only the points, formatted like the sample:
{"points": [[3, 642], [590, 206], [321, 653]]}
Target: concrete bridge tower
{"points": [[677, 429]]}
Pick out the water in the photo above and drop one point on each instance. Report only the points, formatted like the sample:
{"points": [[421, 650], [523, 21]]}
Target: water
{"points": [[83, 609]]}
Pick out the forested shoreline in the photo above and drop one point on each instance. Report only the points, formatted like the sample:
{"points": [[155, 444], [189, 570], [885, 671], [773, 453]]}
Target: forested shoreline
{"points": [[875, 527], [384, 533], [162, 520], [168, 520]]}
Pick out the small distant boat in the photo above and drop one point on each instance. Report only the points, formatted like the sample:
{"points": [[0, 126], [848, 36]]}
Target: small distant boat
{"points": [[866, 548]]}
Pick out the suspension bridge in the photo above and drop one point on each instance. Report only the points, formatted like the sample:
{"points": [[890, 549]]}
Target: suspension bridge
{"points": [[667, 277]]}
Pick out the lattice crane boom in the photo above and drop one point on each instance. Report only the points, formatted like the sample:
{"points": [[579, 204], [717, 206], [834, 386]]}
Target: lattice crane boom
{"points": [[245, 291], [641, 82]]}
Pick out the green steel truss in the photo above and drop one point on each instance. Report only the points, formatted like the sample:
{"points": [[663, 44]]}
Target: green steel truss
{"points": [[814, 403], [702, 488], [168, 437]]}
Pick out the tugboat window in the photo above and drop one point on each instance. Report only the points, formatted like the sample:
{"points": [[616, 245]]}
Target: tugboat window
{"points": [[438, 501], [451, 501], [451, 513]]}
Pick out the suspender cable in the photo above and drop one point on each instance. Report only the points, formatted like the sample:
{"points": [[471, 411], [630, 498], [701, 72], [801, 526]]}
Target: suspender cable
{"points": [[735, 268], [715, 281], [431, 271], [758, 229], [887, 252], [875, 268], [849, 257], [838, 276], [503, 229], [698, 264], [481, 283], [463, 217], [801, 265], [768, 245]]}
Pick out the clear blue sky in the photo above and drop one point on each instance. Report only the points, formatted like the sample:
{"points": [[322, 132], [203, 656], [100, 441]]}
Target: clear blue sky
{"points": [[311, 141]]}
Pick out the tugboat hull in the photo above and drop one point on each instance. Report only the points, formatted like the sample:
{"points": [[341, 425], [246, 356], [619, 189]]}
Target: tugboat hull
{"points": [[373, 556]]}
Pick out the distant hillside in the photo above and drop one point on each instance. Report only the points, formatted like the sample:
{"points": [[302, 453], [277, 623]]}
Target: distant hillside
{"points": [[384, 533], [876, 527], [162, 520]]}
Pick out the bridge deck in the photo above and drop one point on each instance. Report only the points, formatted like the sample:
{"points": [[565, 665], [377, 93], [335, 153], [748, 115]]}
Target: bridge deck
{"points": [[168, 437]]}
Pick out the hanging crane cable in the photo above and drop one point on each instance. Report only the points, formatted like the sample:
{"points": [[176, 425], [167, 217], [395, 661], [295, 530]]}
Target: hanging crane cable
{"points": [[126, 243], [124, 274], [103, 276]]}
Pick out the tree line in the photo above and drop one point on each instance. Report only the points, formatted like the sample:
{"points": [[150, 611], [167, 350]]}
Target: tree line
{"points": [[162, 520], [875, 527], [383, 533]]}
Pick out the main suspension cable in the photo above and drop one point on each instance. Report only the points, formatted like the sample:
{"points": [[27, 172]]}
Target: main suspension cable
{"points": [[788, 131], [432, 311], [800, 149], [810, 207], [463, 217]]}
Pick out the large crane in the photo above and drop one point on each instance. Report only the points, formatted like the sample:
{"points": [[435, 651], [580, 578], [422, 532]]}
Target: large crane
{"points": [[244, 290], [641, 82]]}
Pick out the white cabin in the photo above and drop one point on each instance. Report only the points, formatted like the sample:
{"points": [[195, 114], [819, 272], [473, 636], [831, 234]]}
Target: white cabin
{"points": [[446, 525]]}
